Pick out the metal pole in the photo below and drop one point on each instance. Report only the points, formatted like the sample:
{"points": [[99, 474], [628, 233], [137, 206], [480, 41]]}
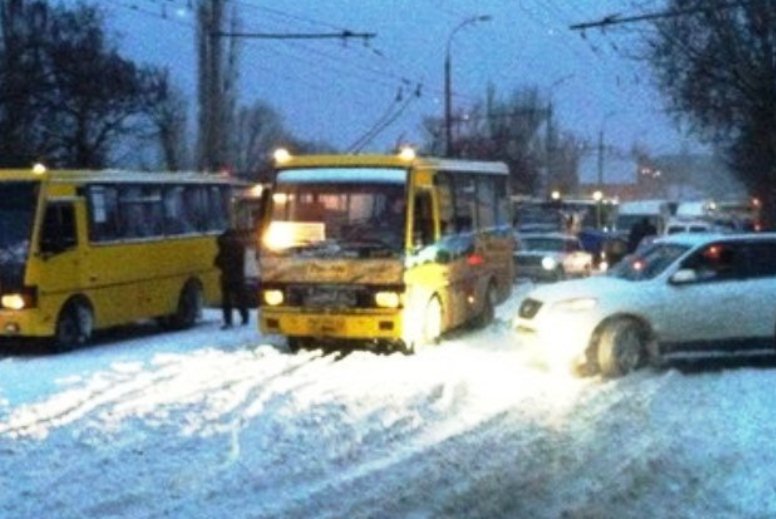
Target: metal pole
{"points": [[600, 182], [448, 81], [448, 108]]}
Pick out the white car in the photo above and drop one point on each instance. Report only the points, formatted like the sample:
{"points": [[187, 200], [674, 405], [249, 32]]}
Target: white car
{"points": [[679, 225], [686, 292], [551, 256]]}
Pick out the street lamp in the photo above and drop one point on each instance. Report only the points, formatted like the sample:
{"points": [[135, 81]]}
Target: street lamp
{"points": [[448, 108]]}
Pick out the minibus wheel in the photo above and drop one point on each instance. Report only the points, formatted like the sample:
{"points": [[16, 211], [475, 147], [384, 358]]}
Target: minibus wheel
{"points": [[431, 327], [190, 303], [75, 325], [295, 344]]}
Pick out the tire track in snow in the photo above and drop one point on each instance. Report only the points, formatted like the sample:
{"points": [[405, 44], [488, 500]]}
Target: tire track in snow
{"points": [[123, 394], [432, 416]]}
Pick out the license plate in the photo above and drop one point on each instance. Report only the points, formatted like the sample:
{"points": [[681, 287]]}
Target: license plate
{"points": [[326, 326]]}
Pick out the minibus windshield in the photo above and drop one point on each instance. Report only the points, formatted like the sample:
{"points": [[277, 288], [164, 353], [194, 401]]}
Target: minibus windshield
{"points": [[350, 213], [17, 212]]}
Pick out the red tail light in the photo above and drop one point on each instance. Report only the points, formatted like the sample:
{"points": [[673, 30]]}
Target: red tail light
{"points": [[475, 259]]}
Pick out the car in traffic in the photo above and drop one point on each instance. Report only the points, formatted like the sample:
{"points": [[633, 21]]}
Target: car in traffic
{"points": [[683, 225], [551, 257], [695, 293], [679, 225]]}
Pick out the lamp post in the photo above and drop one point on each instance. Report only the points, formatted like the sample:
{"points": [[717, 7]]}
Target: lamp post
{"points": [[598, 197], [448, 91], [549, 151], [601, 150]]}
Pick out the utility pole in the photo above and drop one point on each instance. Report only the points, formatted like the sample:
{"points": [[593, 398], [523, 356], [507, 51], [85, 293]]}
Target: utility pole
{"points": [[210, 15], [216, 79]]}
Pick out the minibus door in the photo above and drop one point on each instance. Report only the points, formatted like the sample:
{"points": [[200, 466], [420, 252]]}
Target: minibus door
{"points": [[57, 246]]}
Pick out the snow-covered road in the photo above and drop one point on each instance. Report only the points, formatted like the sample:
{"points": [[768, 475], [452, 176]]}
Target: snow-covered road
{"points": [[205, 423]]}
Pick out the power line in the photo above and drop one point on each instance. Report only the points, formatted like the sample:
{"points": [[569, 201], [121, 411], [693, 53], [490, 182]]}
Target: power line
{"points": [[287, 38], [370, 73], [616, 19], [384, 122], [162, 14], [344, 35], [283, 14]]}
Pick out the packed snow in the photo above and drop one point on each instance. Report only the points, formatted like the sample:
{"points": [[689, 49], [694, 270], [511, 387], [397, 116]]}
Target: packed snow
{"points": [[211, 423]]}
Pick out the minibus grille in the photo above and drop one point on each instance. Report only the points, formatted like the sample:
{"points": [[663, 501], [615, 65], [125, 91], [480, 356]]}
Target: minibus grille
{"points": [[326, 296], [333, 296]]}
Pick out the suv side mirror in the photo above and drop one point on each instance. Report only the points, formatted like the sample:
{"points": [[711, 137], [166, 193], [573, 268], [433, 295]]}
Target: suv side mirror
{"points": [[683, 276]]}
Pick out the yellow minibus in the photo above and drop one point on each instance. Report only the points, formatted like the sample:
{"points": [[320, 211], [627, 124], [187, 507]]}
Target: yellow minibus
{"points": [[86, 250], [383, 250]]}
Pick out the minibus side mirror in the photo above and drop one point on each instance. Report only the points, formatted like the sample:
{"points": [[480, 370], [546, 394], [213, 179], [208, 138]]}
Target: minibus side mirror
{"points": [[443, 256]]}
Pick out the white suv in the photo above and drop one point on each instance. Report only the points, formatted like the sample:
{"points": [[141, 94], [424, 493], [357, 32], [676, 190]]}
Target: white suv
{"points": [[686, 292]]}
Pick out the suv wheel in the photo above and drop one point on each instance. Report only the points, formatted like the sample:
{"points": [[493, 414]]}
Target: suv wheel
{"points": [[622, 348]]}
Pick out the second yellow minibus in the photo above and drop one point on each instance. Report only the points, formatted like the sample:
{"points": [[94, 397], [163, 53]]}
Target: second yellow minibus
{"points": [[383, 250]]}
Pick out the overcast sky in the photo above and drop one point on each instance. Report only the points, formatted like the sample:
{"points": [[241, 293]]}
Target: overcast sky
{"points": [[336, 92]]}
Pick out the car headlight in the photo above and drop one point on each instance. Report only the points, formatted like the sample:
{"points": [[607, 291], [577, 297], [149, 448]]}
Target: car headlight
{"points": [[580, 304], [387, 299], [273, 297], [549, 263]]}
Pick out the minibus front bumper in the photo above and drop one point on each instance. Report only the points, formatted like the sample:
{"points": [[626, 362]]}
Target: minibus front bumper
{"points": [[352, 325]]}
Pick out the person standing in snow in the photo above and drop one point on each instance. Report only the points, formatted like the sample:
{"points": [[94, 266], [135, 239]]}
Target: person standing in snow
{"points": [[230, 260]]}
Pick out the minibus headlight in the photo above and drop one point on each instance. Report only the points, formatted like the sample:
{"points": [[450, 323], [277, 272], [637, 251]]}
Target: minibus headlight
{"points": [[273, 297], [13, 301], [27, 297], [385, 299]]}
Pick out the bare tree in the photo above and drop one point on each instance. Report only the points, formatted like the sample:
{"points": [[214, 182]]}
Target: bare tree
{"points": [[21, 79], [168, 114], [717, 67], [68, 96], [259, 130], [95, 97], [500, 129], [563, 161]]}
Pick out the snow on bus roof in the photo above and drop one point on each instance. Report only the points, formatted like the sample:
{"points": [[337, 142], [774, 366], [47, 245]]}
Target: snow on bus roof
{"points": [[371, 175], [394, 161], [130, 176]]}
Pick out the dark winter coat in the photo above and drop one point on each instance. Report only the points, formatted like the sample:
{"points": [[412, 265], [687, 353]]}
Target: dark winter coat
{"points": [[231, 257]]}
